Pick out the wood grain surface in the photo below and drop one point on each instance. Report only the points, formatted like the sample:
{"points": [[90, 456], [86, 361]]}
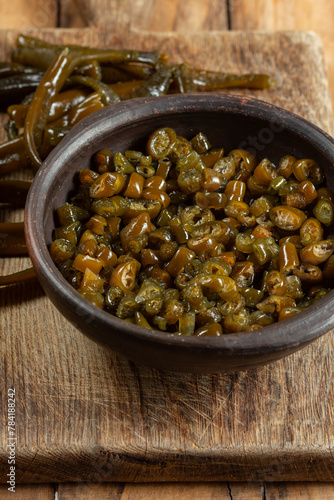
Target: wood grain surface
{"points": [[167, 491], [24, 15], [29, 492], [177, 15], [85, 415], [299, 491], [288, 15]]}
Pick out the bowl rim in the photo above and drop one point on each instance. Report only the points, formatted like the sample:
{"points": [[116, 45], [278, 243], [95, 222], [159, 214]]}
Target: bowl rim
{"points": [[267, 339]]}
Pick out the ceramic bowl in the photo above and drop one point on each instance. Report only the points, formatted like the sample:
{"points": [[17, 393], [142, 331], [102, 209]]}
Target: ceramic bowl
{"points": [[229, 120]]}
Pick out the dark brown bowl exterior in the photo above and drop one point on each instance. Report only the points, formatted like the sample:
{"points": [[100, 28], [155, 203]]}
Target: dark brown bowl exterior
{"points": [[228, 120]]}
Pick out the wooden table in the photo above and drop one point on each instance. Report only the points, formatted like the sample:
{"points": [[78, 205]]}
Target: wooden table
{"points": [[198, 16]]}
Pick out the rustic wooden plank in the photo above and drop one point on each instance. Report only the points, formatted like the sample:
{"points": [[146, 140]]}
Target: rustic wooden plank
{"points": [[289, 15], [156, 491], [245, 491], [157, 16], [299, 491], [137, 424], [28, 492], [70, 15], [179, 16], [36, 14], [86, 414], [86, 491]]}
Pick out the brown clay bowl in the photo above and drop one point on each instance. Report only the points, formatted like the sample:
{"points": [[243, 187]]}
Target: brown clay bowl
{"points": [[232, 121]]}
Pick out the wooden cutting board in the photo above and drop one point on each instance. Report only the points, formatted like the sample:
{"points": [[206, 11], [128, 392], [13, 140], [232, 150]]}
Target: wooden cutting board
{"points": [[84, 414]]}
